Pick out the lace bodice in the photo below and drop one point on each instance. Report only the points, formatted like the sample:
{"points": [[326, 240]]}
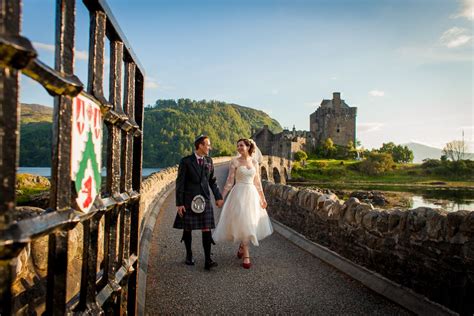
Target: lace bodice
{"points": [[244, 174], [241, 172]]}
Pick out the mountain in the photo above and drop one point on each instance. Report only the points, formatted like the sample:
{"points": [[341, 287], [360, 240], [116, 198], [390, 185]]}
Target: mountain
{"points": [[170, 129], [34, 113], [421, 152]]}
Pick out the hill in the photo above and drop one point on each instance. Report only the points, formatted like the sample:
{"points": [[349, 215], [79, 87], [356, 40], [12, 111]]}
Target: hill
{"points": [[169, 132], [34, 113], [171, 126], [421, 152]]}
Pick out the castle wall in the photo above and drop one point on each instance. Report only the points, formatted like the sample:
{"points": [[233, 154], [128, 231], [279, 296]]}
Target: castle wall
{"points": [[335, 123]]}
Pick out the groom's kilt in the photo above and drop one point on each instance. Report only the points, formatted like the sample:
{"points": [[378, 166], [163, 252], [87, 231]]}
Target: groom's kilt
{"points": [[191, 220]]}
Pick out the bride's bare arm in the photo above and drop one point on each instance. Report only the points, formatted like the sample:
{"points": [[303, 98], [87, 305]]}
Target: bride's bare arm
{"points": [[230, 179]]}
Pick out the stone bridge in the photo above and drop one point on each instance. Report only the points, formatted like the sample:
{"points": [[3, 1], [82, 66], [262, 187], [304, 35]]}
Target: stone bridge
{"points": [[295, 275], [275, 169]]}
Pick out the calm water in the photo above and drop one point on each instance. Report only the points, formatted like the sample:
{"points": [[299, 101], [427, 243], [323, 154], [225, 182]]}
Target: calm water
{"points": [[46, 172], [451, 200]]}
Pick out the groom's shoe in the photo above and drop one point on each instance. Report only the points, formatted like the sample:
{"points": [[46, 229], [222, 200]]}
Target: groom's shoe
{"points": [[209, 264], [189, 261]]}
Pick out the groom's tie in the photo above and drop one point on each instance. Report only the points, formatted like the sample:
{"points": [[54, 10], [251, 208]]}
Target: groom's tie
{"points": [[200, 161]]}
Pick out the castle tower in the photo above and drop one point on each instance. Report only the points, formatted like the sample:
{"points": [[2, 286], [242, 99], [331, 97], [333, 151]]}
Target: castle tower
{"points": [[334, 119]]}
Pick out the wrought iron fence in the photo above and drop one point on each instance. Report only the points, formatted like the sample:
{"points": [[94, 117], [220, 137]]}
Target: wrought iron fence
{"points": [[111, 288]]}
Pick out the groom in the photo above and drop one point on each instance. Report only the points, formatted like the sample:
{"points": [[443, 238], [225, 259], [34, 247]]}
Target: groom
{"points": [[195, 177]]}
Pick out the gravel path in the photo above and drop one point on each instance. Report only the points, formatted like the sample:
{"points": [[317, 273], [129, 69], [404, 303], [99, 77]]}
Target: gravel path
{"points": [[283, 279]]}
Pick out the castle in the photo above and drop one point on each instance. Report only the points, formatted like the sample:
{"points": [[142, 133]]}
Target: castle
{"points": [[333, 119]]}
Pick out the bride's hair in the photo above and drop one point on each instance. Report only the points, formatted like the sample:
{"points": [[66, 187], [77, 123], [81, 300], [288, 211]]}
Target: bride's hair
{"points": [[249, 144]]}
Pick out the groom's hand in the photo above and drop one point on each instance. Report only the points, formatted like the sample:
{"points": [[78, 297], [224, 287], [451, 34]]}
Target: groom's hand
{"points": [[181, 210], [219, 203]]}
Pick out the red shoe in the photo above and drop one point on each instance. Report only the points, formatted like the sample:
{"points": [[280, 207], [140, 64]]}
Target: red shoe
{"points": [[246, 265], [240, 252]]}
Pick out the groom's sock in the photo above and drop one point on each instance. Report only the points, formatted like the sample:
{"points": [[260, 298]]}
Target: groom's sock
{"points": [[188, 239], [206, 243]]}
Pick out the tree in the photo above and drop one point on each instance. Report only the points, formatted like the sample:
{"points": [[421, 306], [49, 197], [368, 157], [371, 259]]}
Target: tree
{"points": [[329, 148], [399, 153], [300, 155], [402, 154], [455, 150]]}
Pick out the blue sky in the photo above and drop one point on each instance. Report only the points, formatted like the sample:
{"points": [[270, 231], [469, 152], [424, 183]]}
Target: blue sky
{"points": [[406, 65]]}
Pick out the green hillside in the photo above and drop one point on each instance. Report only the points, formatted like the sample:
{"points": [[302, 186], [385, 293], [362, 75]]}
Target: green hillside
{"points": [[171, 126], [170, 129]]}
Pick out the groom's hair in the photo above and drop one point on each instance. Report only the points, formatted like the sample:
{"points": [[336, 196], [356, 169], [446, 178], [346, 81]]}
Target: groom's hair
{"points": [[200, 140], [247, 143]]}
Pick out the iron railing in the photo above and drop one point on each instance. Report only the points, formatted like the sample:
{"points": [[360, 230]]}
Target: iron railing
{"points": [[112, 288]]}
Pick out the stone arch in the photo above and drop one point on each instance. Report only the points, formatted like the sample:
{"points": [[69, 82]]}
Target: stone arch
{"points": [[285, 172], [276, 175], [263, 173]]}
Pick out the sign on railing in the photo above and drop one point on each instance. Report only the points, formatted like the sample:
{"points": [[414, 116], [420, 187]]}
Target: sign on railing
{"points": [[86, 151]]}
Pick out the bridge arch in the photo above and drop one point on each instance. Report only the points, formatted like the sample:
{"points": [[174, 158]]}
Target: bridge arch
{"points": [[276, 175], [263, 173]]}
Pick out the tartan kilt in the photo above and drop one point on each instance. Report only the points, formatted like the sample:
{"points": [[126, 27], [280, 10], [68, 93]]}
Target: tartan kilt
{"points": [[191, 220]]}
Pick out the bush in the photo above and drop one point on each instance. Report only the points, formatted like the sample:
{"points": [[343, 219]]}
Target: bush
{"points": [[300, 156], [296, 167], [430, 163], [320, 164], [376, 164]]}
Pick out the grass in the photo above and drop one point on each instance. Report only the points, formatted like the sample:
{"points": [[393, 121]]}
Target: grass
{"points": [[339, 171]]}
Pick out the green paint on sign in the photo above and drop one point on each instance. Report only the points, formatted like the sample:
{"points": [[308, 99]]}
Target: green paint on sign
{"points": [[89, 154]]}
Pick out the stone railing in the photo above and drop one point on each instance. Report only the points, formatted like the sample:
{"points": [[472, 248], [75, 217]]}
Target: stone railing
{"points": [[427, 250]]}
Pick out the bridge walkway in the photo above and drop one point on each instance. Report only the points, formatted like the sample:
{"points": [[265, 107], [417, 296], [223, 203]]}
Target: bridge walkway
{"points": [[284, 279]]}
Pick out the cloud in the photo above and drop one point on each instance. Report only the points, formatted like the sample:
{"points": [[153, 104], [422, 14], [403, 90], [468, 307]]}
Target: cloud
{"points": [[151, 83], [275, 91], [467, 10], [334, 78], [369, 127], [455, 37], [377, 93], [425, 55], [80, 54]]}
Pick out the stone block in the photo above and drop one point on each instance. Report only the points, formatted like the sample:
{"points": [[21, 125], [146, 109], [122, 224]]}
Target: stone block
{"points": [[369, 219]]}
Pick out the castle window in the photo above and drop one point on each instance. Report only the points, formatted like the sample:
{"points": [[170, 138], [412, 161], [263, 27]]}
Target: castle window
{"points": [[338, 129]]}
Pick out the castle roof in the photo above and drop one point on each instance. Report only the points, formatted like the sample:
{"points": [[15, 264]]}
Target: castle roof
{"points": [[328, 104]]}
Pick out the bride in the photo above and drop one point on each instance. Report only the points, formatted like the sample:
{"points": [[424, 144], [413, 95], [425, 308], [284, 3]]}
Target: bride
{"points": [[243, 217]]}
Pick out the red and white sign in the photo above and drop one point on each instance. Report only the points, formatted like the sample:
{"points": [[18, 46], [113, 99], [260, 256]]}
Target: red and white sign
{"points": [[86, 150]]}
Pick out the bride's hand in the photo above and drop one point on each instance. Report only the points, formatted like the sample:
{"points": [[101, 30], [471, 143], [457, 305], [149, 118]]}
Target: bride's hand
{"points": [[263, 204]]}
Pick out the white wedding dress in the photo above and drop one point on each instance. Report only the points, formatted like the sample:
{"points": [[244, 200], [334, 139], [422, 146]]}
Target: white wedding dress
{"points": [[242, 218]]}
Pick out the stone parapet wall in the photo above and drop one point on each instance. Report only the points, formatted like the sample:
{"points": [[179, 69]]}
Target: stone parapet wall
{"points": [[425, 249]]}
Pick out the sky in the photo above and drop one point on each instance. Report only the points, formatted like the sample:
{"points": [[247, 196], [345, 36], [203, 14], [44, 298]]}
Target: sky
{"points": [[407, 65]]}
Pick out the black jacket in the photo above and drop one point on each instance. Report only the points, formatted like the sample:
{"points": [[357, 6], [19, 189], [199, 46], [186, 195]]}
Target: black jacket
{"points": [[194, 179]]}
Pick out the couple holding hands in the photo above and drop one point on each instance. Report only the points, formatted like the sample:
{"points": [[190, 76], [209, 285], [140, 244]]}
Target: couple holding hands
{"points": [[243, 218]]}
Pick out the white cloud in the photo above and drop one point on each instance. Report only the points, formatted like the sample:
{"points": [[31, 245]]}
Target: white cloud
{"points": [[377, 93], [467, 10], [455, 37], [275, 91], [80, 54], [333, 78], [369, 127], [425, 55], [151, 83]]}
